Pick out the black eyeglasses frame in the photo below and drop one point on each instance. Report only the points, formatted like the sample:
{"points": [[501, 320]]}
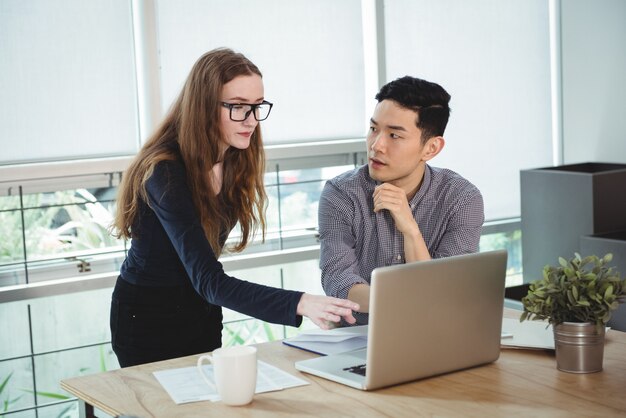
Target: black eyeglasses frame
{"points": [[252, 110]]}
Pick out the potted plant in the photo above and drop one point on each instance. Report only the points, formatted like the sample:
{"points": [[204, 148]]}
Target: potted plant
{"points": [[576, 298]]}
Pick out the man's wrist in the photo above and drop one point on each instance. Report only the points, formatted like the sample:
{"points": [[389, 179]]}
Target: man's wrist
{"points": [[413, 233]]}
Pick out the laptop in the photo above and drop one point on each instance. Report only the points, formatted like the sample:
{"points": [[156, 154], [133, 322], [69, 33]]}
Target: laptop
{"points": [[426, 318]]}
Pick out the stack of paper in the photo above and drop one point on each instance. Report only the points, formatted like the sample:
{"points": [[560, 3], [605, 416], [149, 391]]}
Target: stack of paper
{"points": [[337, 340]]}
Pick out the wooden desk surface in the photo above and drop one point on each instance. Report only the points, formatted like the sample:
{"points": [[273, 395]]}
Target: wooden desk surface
{"points": [[521, 383]]}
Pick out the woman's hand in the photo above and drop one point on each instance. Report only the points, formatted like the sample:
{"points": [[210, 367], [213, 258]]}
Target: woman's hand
{"points": [[325, 311]]}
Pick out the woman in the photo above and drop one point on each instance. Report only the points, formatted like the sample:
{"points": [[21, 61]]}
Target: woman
{"points": [[199, 175]]}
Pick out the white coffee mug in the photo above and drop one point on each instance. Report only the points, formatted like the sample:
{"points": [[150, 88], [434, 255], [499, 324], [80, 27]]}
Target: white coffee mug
{"points": [[234, 369]]}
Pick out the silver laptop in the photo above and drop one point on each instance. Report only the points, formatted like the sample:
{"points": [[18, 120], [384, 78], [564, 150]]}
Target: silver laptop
{"points": [[426, 318]]}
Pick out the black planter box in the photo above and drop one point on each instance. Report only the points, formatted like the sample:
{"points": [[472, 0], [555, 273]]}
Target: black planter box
{"points": [[561, 204]]}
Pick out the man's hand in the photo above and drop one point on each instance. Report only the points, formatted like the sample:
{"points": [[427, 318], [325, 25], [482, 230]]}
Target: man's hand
{"points": [[392, 198]]}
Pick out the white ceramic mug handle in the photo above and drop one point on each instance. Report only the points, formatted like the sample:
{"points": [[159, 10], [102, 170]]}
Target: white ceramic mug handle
{"points": [[201, 371]]}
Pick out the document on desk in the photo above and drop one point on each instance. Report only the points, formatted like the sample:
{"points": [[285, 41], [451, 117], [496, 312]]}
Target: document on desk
{"points": [[527, 334], [185, 384], [334, 341]]}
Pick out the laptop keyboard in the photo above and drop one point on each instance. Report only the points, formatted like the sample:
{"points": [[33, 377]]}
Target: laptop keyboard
{"points": [[360, 369]]}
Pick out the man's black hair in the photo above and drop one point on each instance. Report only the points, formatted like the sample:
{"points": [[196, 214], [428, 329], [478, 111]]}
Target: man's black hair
{"points": [[429, 100]]}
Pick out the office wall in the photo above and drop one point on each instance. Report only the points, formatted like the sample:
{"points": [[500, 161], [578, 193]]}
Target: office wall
{"points": [[594, 80]]}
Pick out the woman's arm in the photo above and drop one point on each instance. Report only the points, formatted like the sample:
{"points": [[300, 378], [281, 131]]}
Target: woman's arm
{"points": [[171, 201]]}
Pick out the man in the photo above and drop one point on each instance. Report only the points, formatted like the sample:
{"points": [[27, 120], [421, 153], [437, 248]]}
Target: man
{"points": [[397, 208]]}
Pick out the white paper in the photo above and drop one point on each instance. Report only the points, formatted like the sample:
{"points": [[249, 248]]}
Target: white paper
{"points": [[186, 385], [527, 334], [333, 335], [334, 341]]}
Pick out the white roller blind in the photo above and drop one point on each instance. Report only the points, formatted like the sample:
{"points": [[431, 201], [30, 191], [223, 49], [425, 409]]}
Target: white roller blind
{"points": [[492, 56], [594, 80], [310, 54], [66, 80]]}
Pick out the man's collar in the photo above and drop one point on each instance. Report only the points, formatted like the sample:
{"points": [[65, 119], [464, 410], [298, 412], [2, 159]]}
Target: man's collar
{"points": [[423, 187]]}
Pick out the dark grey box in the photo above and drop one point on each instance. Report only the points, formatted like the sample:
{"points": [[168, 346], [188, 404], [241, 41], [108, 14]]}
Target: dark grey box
{"points": [[560, 204], [614, 243]]}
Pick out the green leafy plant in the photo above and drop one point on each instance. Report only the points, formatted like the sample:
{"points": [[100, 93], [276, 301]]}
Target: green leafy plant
{"points": [[578, 290], [67, 411], [6, 400]]}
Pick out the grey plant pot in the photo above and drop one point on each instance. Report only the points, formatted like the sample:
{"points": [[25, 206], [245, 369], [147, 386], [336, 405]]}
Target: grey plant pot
{"points": [[560, 204], [579, 347]]}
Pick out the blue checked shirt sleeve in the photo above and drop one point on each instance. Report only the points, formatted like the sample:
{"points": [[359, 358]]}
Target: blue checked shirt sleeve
{"points": [[338, 260], [462, 233]]}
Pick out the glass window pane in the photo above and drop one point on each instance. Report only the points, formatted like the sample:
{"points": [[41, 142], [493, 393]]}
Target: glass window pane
{"points": [[240, 329], [9, 203], [17, 392], [272, 215], [14, 330], [300, 192], [330, 172], [70, 68], [299, 204], [71, 320], [299, 176], [67, 221], [296, 44], [512, 242], [304, 276], [250, 331], [296, 210], [11, 231], [63, 410], [51, 368], [494, 60]]}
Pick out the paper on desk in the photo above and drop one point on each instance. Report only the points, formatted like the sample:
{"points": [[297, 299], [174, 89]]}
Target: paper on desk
{"points": [[185, 384], [527, 334], [337, 340]]}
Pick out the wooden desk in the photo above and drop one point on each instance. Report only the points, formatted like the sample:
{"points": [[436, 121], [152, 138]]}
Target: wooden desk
{"points": [[522, 383]]}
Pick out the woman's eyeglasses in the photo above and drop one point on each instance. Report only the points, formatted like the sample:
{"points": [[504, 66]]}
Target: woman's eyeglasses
{"points": [[240, 111]]}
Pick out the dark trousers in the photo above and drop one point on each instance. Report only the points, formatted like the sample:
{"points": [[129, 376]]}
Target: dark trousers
{"points": [[158, 323]]}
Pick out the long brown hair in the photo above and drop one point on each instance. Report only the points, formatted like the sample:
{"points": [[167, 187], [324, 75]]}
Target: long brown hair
{"points": [[194, 123]]}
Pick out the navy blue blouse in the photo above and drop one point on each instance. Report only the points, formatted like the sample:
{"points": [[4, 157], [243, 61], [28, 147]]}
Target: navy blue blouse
{"points": [[169, 246]]}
